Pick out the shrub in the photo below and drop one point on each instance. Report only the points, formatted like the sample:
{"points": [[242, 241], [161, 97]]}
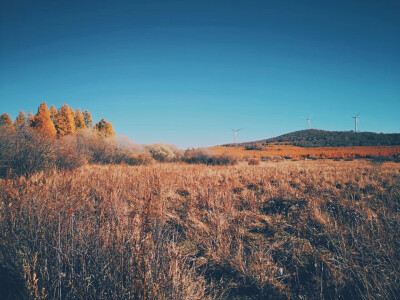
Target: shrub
{"points": [[68, 158], [161, 152], [271, 158], [208, 158], [95, 148], [25, 152], [28, 151], [140, 159], [257, 146], [253, 161]]}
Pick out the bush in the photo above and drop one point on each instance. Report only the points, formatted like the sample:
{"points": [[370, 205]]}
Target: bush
{"points": [[271, 158], [161, 152], [95, 148], [208, 158], [253, 161], [256, 146], [68, 158], [140, 159], [27, 151]]}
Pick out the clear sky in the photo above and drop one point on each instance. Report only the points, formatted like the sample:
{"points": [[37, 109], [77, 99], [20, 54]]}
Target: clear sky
{"points": [[184, 72]]}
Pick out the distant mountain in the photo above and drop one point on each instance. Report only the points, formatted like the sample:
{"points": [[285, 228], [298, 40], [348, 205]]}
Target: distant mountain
{"points": [[324, 138]]}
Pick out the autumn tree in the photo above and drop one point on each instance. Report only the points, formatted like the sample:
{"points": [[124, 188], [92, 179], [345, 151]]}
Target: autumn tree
{"points": [[71, 110], [53, 113], [104, 128], [42, 121], [79, 119], [65, 123], [88, 119], [6, 122], [21, 121], [31, 119]]}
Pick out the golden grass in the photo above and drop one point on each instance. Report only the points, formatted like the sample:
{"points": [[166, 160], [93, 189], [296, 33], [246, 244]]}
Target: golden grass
{"points": [[321, 152], [310, 229]]}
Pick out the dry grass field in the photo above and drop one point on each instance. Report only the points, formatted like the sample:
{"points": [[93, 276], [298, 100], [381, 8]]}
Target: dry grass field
{"points": [[319, 152], [287, 230]]}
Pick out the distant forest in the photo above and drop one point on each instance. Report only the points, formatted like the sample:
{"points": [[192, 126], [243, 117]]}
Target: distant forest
{"points": [[323, 138]]}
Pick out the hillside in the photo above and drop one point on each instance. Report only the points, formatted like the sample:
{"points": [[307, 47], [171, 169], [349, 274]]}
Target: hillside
{"points": [[324, 138]]}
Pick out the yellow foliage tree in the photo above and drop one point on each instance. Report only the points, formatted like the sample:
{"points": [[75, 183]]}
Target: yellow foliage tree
{"points": [[21, 121], [31, 119], [88, 119], [79, 119], [104, 128], [42, 121], [65, 123], [6, 122], [53, 113]]}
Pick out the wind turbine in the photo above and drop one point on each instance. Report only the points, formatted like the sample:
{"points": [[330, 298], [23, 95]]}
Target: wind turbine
{"points": [[236, 131], [308, 122], [356, 121]]}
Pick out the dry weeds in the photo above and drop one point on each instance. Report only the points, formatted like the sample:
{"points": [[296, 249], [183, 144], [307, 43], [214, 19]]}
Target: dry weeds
{"points": [[306, 229]]}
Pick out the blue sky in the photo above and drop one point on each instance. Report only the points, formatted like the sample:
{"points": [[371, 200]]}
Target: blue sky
{"points": [[184, 72]]}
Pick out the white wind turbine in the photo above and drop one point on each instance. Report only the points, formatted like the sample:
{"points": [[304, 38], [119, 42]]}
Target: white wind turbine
{"points": [[356, 121], [235, 132], [308, 121]]}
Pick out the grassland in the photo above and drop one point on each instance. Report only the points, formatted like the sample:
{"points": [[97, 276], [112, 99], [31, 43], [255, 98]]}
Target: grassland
{"points": [[318, 152], [298, 230]]}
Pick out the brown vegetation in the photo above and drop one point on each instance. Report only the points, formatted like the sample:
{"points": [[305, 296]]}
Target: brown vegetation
{"points": [[6, 122], [301, 152], [65, 121], [104, 128], [79, 119], [305, 229]]}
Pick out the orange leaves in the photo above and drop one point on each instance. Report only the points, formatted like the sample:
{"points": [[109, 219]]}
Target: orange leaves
{"points": [[65, 122], [321, 152], [104, 128], [79, 119], [42, 121], [6, 122]]}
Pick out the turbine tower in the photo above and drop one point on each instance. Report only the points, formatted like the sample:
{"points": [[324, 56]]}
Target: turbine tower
{"points": [[235, 132], [308, 122], [356, 121]]}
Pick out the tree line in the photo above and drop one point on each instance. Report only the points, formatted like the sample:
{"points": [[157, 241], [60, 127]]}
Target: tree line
{"points": [[56, 123], [66, 139]]}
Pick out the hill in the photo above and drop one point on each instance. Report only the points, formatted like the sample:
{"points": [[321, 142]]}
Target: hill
{"points": [[324, 138]]}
